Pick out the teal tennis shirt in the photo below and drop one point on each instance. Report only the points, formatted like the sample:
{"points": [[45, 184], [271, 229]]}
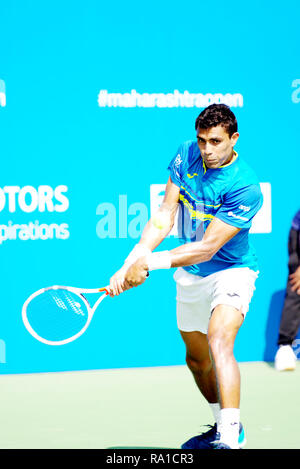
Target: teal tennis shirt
{"points": [[230, 193]]}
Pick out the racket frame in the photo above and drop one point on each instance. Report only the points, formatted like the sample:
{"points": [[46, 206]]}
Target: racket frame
{"points": [[77, 291]]}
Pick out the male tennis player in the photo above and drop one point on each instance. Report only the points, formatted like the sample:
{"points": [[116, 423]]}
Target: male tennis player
{"points": [[218, 195]]}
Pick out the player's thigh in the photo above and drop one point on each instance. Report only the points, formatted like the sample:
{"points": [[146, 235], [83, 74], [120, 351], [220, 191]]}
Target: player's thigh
{"points": [[196, 345], [224, 325]]}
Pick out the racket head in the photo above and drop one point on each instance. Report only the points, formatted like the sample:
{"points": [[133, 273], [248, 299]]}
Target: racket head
{"points": [[58, 315]]}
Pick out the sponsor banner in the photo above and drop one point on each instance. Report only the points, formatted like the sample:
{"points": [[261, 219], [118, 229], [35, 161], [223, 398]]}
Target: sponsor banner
{"points": [[28, 199]]}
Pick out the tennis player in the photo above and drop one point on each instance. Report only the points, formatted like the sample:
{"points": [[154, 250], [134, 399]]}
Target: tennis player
{"points": [[217, 195]]}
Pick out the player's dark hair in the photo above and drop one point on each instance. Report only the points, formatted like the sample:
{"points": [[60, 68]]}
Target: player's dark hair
{"points": [[217, 114]]}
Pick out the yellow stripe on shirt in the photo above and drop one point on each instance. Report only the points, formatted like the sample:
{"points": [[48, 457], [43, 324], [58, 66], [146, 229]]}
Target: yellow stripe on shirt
{"points": [[195, 213]]}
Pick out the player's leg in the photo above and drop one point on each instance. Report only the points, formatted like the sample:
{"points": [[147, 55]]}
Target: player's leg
{"points": [[199, 362], [223, 328], [196, 298], [232, 293]]}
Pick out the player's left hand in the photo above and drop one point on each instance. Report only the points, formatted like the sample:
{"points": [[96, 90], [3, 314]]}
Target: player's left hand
{"points": [[137, 273], [295, 281], [117, 282]]}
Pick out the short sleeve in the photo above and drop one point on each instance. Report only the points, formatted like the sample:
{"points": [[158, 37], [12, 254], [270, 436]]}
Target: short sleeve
{"points": [[240, 206], [176, 166]]}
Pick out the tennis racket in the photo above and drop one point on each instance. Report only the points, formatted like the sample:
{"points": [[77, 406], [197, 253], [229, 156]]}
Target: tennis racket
{"points": [[58, 315]]}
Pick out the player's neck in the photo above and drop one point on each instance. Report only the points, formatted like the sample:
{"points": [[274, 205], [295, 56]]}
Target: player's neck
{"points": [[230, 160]]}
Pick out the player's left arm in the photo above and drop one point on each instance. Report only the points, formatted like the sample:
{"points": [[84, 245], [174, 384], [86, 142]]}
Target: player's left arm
{"points": [[217, 234], [236, 213]]}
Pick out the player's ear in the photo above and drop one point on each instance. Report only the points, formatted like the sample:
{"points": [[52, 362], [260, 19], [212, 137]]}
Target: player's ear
{"points": [[234, 138]]}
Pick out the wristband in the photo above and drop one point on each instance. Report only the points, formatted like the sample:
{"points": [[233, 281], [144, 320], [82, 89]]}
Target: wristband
{"points": [[138, 251], [159, 260]]}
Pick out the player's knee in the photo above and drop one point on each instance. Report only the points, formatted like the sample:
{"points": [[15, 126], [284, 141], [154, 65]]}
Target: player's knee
{"points": [[220, 343], [197, 365]]}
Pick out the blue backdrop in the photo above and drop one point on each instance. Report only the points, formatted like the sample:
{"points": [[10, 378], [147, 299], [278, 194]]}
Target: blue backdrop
{"points": [[95, 98]]}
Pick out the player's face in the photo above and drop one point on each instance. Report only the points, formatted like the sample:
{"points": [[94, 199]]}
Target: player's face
{"points": [[216, 146]]}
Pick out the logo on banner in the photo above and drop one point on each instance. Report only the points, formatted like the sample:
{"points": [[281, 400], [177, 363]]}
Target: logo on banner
{"points": [[29, 199], [296, 92], [2, 94], [167, 100]]}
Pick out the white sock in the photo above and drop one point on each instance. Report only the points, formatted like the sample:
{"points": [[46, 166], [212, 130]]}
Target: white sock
{"points": [[215, 408], [229, 427]]}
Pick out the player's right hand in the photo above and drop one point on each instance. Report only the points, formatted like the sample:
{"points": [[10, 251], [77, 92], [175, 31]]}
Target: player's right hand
{"points": [[118, 284]]}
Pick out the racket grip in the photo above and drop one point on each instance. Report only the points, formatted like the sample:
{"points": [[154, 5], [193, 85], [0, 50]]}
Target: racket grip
{"points": [[106, 289]]}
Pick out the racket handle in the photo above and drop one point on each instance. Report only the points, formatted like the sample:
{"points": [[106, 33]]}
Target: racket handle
{"points": [[106, 289]]}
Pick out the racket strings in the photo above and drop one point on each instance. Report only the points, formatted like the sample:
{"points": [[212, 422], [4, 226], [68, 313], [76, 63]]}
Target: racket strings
{"points": [[57, 315], [74, 305]]}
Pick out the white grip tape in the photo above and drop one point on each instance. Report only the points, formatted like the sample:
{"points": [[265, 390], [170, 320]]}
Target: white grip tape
{"points": [[159, 260]]}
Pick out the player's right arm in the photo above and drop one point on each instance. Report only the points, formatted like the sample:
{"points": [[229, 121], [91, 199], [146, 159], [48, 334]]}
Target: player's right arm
{"points": [[151, 237]]}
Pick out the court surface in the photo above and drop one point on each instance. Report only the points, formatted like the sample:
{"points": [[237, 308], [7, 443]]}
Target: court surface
{"points": [[141, 408]]}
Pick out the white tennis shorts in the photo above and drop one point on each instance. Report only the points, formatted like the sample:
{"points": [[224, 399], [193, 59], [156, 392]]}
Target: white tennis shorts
{"points": [[198, 296]]}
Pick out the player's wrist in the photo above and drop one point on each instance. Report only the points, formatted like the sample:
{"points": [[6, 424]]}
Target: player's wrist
{"points": [[159, 260], [137, 252]]}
